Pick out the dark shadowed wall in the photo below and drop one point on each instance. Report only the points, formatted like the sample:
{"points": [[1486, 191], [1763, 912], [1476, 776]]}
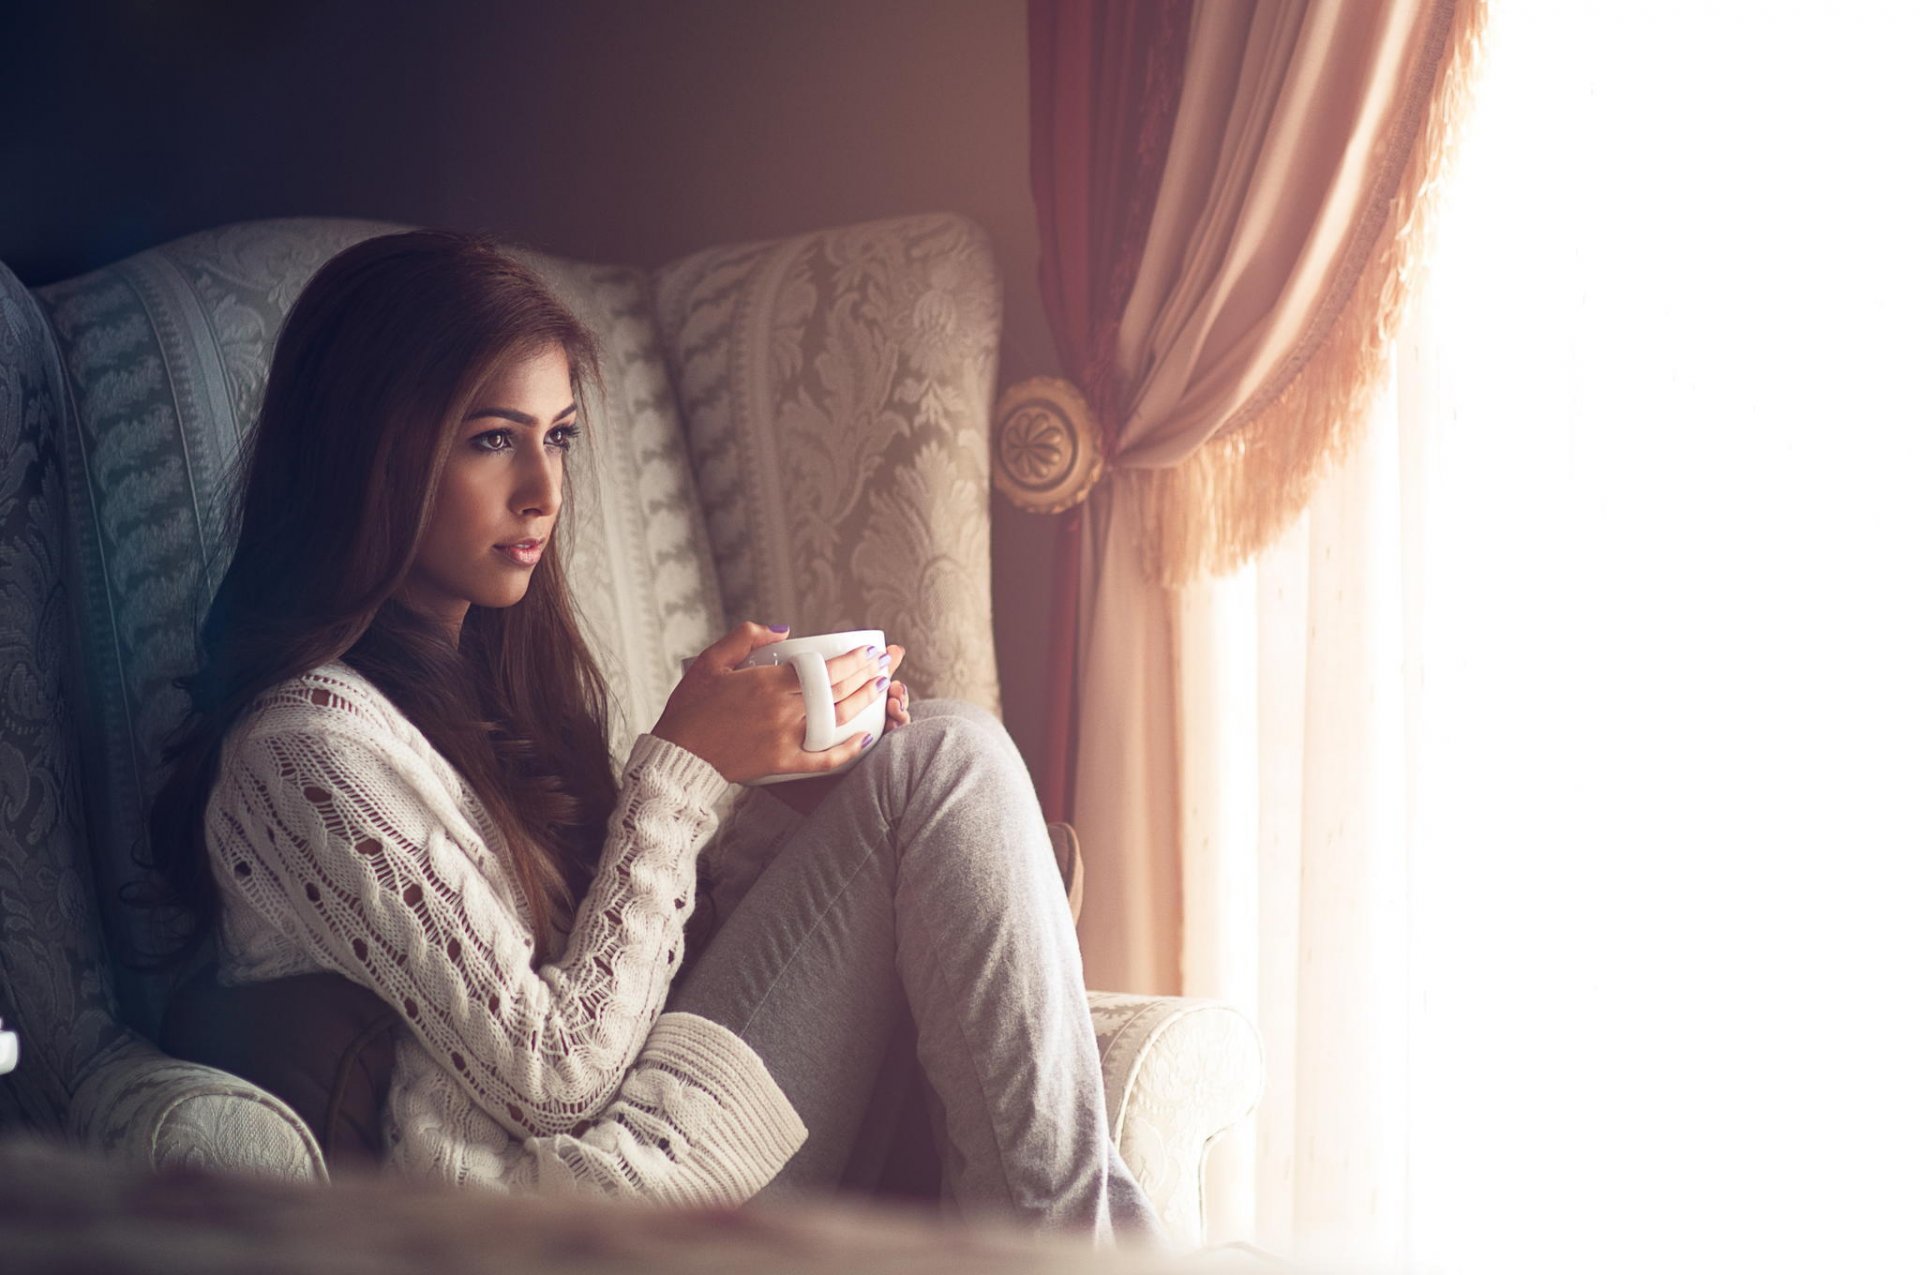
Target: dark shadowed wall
{"points": [[628, 131]]}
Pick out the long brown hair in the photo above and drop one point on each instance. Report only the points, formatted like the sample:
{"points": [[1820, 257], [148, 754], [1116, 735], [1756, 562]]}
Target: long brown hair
{"points": [[377, 365]]}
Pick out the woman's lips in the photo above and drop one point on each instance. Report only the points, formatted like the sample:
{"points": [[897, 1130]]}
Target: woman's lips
{"points": [[524, 554]]}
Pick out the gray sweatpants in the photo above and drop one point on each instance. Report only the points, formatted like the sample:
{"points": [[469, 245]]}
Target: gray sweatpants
{"points": [[921, 903]]}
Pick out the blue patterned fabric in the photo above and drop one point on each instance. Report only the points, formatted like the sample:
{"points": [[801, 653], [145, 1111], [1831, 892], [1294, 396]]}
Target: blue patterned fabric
{"points": [[54, 989]]}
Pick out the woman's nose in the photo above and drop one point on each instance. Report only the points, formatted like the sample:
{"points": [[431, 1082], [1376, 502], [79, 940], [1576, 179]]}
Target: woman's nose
{"points": [[539, 488]]}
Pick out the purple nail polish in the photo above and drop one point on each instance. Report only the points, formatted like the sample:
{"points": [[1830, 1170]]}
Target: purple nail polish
{"points": [[779, 628], [881, 685], [867, 739]]}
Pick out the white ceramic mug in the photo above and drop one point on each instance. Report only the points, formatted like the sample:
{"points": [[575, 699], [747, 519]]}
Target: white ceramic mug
{"points": [[809, 656]]}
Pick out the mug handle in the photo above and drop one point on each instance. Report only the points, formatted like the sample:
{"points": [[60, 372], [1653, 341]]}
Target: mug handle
{"points": [[816, 689]]}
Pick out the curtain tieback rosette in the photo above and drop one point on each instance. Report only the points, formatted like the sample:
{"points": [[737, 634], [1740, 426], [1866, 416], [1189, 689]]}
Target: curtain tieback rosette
{"points": [[1047, 455]]}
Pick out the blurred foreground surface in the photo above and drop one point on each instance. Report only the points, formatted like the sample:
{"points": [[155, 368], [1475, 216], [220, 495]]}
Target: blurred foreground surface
{"points": [[62, 1210]]}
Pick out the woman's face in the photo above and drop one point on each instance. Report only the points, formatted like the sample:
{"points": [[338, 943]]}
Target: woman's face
{"points": [[499, 492]]}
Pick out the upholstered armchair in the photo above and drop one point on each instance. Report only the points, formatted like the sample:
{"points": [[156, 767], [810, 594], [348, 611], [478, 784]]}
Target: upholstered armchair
{"points": [[795, 429]]}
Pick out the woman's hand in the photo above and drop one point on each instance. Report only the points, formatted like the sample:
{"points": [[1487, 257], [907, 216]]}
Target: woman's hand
{"points": [[749, 722], [804, 794]]}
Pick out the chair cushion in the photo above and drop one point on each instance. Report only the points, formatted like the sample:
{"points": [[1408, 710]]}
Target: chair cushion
{"points": [[320, 1043]]}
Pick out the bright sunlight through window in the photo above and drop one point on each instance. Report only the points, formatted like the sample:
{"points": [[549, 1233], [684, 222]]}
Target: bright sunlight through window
{"points": [[1665, 950]]}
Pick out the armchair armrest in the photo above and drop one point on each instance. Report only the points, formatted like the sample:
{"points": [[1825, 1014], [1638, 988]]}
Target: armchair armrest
{"points": [[136, 1105], [1179, 1072]]}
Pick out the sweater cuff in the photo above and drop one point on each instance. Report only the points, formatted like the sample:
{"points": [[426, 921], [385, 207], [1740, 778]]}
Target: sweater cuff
{"points": [[747, 1130], [673, 767]]}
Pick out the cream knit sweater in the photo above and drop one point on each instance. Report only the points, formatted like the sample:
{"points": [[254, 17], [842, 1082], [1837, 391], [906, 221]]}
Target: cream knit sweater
{"points": [[342, 840]]}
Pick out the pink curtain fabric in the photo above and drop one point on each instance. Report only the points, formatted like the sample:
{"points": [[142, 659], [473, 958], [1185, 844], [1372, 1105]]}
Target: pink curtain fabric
{"points": [[1307, 138], [1276, 261]]}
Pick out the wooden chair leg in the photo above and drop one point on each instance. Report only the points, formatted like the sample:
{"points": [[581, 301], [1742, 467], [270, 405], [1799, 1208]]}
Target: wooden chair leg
{"points": [[1066, 851]]}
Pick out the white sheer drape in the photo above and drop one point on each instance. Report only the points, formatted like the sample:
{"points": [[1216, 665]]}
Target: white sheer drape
{"points": [[1549, 792], [1295, 700]]}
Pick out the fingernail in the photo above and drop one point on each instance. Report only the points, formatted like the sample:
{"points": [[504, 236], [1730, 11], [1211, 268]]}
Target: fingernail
{"points": [[881, 685], [886, 660], [869, 651], [779, 628], [866, 739]]}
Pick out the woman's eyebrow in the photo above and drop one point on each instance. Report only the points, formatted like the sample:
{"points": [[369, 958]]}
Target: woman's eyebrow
{"points": [[508, 414]]}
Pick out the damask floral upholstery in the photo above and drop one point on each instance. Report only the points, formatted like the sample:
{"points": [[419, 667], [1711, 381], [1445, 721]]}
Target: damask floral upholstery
{"points": [[794, 430], [838, 389]]}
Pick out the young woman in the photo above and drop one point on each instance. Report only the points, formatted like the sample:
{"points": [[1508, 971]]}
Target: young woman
{"points": [[397, 767]]}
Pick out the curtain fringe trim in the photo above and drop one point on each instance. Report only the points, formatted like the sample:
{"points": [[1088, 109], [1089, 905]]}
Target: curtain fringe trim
{"points": [[1215, 510]]}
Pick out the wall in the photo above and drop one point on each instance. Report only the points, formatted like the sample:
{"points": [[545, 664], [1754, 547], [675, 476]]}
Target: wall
{"points": [[630, 131]]}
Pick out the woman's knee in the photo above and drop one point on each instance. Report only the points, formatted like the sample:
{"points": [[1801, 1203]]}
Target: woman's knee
{"points": [[988, 726], [965, 762], [955, 736]]}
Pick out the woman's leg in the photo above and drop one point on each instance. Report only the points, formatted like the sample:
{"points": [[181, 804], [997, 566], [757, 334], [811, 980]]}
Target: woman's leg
{"points": [[925, 883]]}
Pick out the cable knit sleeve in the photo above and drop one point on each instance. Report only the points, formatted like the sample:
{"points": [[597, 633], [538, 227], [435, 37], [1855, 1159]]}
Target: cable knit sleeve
{"points": [[349, 842]]}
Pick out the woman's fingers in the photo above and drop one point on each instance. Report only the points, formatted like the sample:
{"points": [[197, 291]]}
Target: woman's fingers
{"points": [[850, 671], [739, 643], [853, 705]]}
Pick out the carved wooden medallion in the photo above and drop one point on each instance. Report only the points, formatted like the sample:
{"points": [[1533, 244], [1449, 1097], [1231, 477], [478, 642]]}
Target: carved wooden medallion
{"points": [[1046, 450]]}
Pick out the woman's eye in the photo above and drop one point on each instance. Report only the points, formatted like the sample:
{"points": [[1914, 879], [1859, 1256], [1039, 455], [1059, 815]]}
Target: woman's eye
{"points": [[494, 440], [563, 436]]}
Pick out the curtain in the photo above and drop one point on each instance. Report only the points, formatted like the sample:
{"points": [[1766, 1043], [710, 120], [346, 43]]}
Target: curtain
{"points": [[1105, 79], [1307, 137], [1550, 797]]}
